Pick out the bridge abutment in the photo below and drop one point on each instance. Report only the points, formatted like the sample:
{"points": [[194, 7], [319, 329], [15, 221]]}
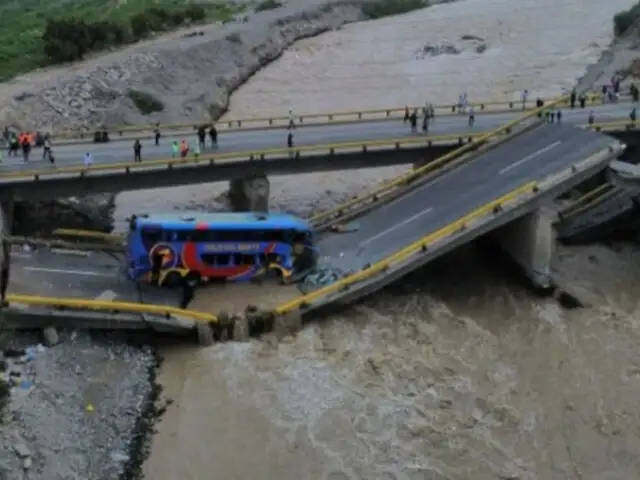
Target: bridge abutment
{"points": [[530, 242], [250, 193]]}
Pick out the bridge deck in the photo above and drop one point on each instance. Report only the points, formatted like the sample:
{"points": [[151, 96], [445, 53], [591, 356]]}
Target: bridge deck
{"points": [[245, 141], [532, 156]]}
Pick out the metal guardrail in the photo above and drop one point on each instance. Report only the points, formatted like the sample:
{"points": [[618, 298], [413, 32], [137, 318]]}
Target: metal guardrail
{"points": [[586, 201], [391, 144], [336, 118], [388, 187], [90, 234], [111, 306], [614, 126], [419, 246]]}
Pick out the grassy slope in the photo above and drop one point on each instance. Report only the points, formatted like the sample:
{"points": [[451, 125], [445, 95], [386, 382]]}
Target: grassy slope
{"points": [[23, 22]]}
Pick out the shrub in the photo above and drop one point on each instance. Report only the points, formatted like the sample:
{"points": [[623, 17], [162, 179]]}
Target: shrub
{"points": [[623, 20], [385, 8], [145, 102], [265, 5]]}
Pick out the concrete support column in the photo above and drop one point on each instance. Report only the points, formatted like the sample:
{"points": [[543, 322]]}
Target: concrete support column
{"points": [[530, 241], [250, 193]]}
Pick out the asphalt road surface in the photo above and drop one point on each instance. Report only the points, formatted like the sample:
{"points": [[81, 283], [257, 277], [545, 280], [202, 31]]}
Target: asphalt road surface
{"points": [[246, 141], [530, 157]]}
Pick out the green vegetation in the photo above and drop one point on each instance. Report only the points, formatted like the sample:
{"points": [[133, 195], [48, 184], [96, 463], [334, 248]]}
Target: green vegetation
{"points": [[267, 5], [385, 8], [145, 102], [625, 19], [36, 33]]}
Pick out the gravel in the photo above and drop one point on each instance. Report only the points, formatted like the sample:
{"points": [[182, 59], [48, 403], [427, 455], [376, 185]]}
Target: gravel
{"points": [[85, 414]]}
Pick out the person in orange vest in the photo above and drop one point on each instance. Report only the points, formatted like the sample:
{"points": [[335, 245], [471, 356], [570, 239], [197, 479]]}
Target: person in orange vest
{"points": [[25, 143], [184, 148]]}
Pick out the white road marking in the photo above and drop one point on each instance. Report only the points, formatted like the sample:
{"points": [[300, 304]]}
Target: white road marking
{"points": [[107, 296], [529, 157], [68, 251], [393, 227], [69, 272]]}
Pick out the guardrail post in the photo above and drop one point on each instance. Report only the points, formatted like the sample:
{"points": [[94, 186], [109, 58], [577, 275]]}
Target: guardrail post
{"points": [[262, 156], [301, 120], [388, 113], [364, 149], [510, 104], [332, 151], [239, 123], [251, 158], [429, 143], [127, 171], [297, 154], [359, 116], [230, 124], [397, 145], [453, 109], [331, 118], [271, 121]]}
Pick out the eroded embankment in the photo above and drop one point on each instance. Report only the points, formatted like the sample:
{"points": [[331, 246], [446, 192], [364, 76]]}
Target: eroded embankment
{"points": [[194, 75]]}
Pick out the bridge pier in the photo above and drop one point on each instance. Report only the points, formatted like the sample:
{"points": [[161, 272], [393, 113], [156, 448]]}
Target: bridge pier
{"points": [[530, 242], [250, 193]]}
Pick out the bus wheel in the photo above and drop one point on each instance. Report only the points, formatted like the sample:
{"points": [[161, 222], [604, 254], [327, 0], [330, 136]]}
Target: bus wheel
{"points": [[205, 334], [172, 279], [193, 277]]}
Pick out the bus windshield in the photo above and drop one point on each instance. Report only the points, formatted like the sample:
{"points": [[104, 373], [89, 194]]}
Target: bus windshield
{"points": [[169, 249]]}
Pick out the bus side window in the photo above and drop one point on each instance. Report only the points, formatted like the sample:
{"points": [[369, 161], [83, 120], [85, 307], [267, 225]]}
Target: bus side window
{"points": [[244, 259], [216, 259], [150, 236]]}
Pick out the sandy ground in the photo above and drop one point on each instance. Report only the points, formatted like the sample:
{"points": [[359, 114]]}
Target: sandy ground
{"points": [[459, 373]]}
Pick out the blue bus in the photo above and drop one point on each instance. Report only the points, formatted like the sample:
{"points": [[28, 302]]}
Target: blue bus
{"points": [[167, 249]]}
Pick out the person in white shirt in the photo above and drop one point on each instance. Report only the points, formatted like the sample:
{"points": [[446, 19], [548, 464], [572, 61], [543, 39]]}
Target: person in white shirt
{"points": [[292, 123], [523, 97], [88, 159]]}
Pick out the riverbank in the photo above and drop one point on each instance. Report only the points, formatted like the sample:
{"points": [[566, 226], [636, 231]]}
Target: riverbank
{"points": [[193, 71]]}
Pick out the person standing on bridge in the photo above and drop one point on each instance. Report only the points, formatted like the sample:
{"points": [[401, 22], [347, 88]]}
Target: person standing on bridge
{"points": [[46, 150], [582, 100], [472, 117], [632, 116], [202, 136], [184, 148], [572, 98], [406, 114], [292, 123], [523, 98], [213, 135], [88, 159], [156, 134], [413, 120], [175, 148], [425, 121], [137, 149], [558, 115], [591, 118]]}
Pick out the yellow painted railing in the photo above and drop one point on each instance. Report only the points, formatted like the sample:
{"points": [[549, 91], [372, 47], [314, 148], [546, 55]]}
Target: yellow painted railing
{"points": [[585, 202], [262, 123], [111, 306], [388, 187], [613, 126], [321, 149], [403, 254], [90, 234]]}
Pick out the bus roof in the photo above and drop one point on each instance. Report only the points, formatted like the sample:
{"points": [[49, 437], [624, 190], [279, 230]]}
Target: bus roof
{"points": [[226, 220]]}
